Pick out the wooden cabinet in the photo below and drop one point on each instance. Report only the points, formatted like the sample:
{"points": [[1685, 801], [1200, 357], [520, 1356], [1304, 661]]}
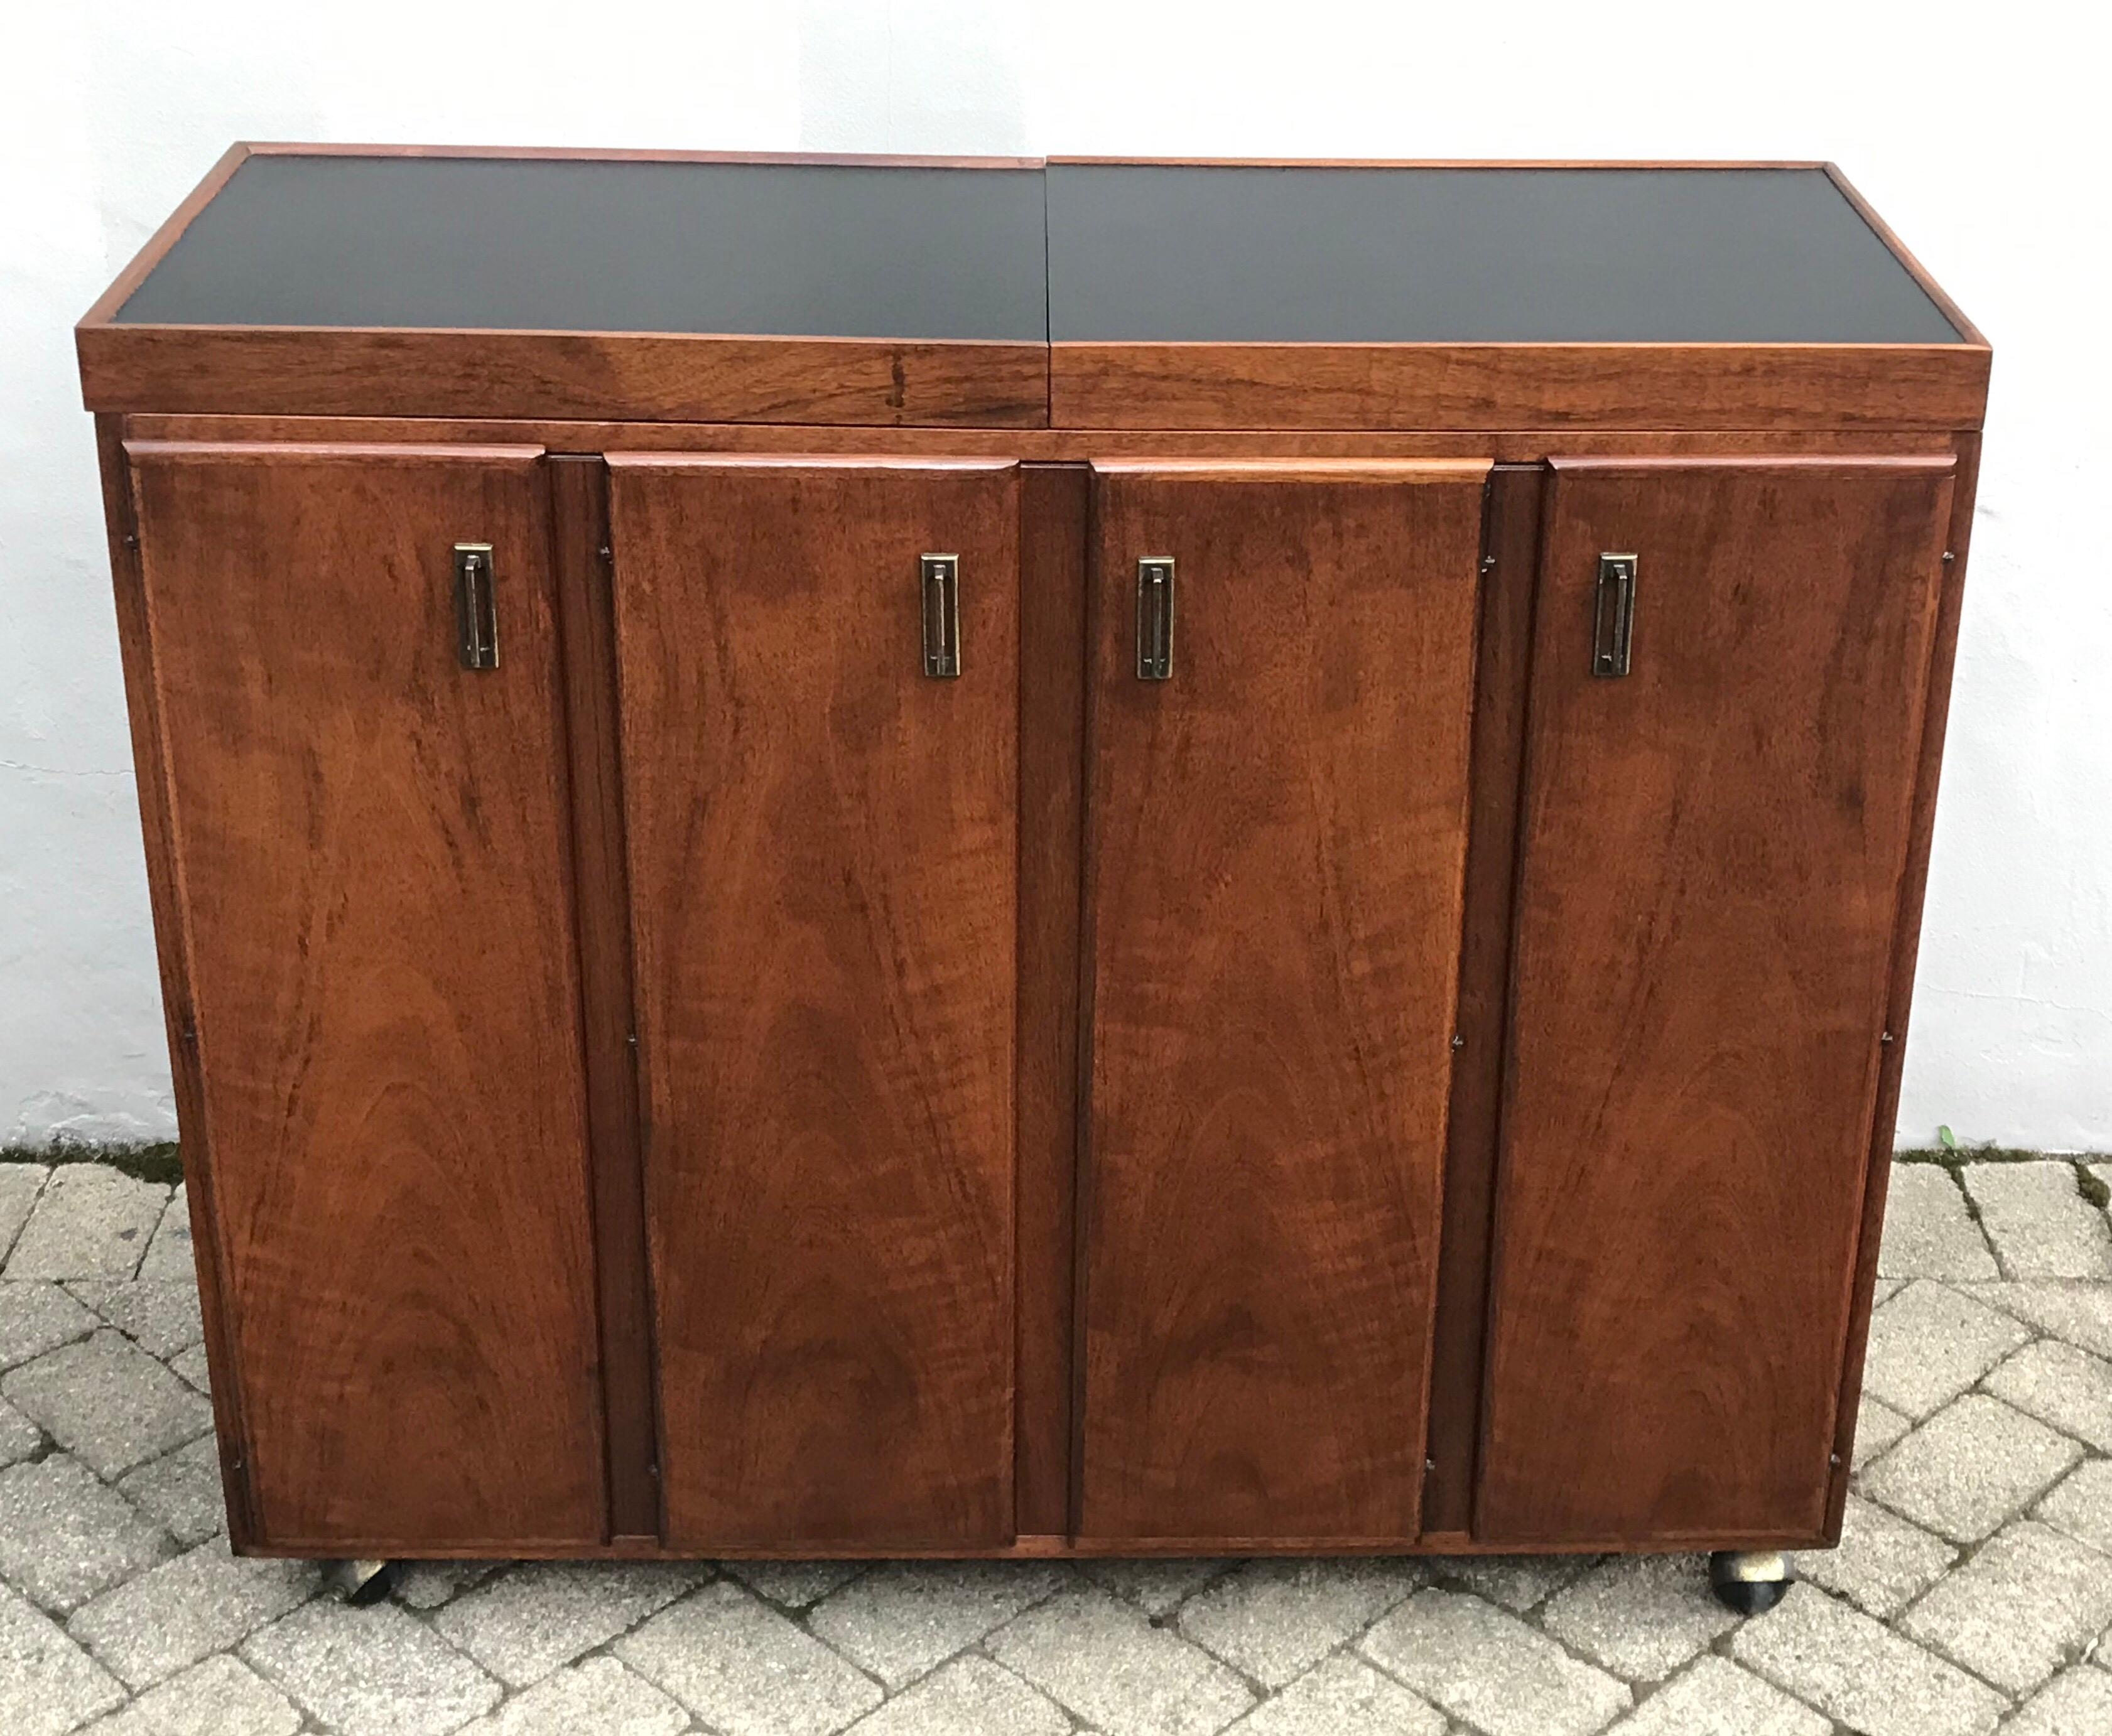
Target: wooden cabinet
{"points": [[382, 1002], [1277, 834], [1708, 896], [931, 876], [822, 846]]}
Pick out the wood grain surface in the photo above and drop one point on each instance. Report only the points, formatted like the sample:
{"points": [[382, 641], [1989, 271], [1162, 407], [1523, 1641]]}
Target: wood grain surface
{"points": [[1054, 509], [164, 882], [823, 879], [1510, 568], [1884, 1123], [377, 932], [1713, 853], [638, 376], [1276, 839], [1048, 445], [586, 630], [1496, 386]]}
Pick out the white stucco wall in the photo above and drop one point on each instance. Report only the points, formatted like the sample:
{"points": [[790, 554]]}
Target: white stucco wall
{"points": [[1979, 133]]}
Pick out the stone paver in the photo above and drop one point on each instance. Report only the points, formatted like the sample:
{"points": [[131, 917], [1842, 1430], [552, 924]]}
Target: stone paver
{"points": [[38, 1317], [1969, 1467], [2077, 1702], [426, 1585], [88, 1222], [1517, 1582], [2061, 1385], [1718, 1698], [19, 1437], [169, 1253], [1852, 1667], [1928, 1232], [1486, 1666], [107, 1403], [65, 1536], [48, 1683], [2039, 1223], [19, 1183], [1104, 1660], [159, 1315], [1929, 1344], [970, 1697], [523, 1624], [1968, 1587], [181, 1491], [1272, 1619], [1883, 1563], [746, 1670], [205, 1602], [1640, 1616], [2081, 1504], [371, 1672], [2028, 1598], [221, 1697], [1877, 1425], [1155, 1586], [902, 1619], [1343, 1696], [191, 1364], [795, 1585], [2079, 1313], [598, 1698]]}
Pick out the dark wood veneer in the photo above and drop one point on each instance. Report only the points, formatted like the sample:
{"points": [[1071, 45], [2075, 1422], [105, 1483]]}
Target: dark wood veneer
{"points": [[1042, 1114]]}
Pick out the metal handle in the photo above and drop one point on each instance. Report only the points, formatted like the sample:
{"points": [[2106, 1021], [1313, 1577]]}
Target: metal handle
{"points": [[476, 614], [1614, 622], [941, 596], [1154, 618]]}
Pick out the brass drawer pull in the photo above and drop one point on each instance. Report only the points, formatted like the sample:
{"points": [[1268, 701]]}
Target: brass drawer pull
{"points": [[941, 598], [1613, 625], [1154, 618]]}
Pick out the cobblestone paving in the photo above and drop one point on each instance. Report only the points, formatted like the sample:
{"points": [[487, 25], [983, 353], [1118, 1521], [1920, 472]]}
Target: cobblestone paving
{"points": [[1972, 1589]]}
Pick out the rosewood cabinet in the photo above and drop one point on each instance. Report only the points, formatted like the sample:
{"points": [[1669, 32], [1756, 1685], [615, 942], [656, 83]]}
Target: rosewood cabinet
{"points": [[823, 854], [1015, 859]]}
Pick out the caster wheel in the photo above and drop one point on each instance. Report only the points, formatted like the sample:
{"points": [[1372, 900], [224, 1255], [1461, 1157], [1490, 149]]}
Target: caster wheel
{"points": [[1750, 1583], [362, 1583]]}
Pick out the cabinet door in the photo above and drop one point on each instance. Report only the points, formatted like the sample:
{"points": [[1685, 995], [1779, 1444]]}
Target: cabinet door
{"points": [[377, 922], [1712, 846], [1276, 842], [822, 848]]}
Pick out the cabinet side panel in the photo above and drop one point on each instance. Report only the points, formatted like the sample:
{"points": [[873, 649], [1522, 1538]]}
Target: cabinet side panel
{"points": [[1277, 837], [1884, 1126], [376, 899], [150, 770], [1713, 852], [822, 844]]}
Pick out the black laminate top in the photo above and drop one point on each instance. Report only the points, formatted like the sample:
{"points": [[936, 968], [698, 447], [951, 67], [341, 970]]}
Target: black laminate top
{"points": [[1235, 254], [557, 244], [1078, 253]]}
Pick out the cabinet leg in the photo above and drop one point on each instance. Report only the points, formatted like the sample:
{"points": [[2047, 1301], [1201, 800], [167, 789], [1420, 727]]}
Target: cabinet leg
{"points": [[362, 1583], [1750, 1582]]}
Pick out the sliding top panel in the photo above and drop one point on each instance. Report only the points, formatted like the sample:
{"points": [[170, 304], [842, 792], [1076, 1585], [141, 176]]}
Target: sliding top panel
{"points": [[545, 243], [1168, 254], [1489, 297], [408, 281], [478, 283]]}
